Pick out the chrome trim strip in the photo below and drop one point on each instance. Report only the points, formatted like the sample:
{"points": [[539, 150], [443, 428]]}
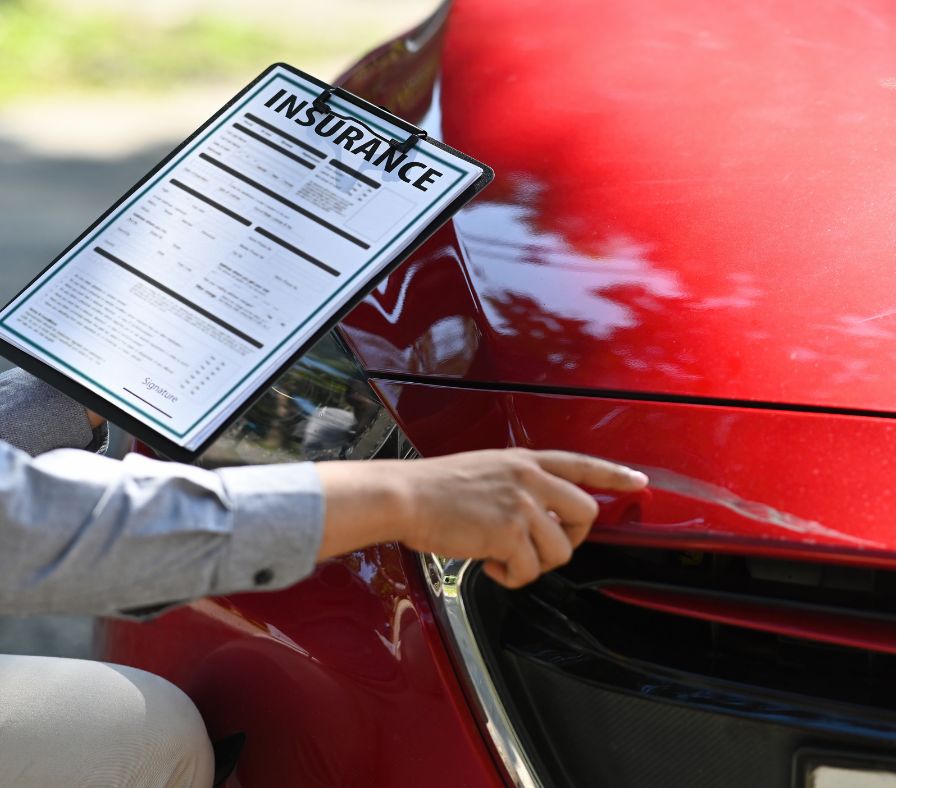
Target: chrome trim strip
{"points": [[444, 578]]}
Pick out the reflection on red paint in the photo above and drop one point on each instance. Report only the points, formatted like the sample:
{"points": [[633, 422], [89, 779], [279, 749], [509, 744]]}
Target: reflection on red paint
{"points": [[867, 632], [693, 199], [340, 680]]}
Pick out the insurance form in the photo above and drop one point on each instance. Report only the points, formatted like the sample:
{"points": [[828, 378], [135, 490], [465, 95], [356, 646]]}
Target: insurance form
{"points": [[220, 266]]}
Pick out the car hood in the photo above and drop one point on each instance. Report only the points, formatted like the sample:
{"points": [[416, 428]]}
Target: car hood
{"points": [[692, 199]]}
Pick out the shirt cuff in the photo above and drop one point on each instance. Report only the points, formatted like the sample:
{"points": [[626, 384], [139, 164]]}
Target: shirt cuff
{"points": [[277, 526]]}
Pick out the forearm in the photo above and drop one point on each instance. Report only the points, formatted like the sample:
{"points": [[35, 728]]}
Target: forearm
{"points": [[366, 503], [84, 533]]}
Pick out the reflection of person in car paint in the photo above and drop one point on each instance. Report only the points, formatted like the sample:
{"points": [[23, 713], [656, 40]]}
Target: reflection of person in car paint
{"points": [[81, 533], [327, 430]]}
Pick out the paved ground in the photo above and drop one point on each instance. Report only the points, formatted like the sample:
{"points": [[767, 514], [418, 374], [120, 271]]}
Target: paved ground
{"points": [[64, 160]]}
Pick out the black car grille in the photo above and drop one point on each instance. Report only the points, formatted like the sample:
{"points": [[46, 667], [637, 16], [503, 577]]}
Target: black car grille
{"points": [[607, 692]]}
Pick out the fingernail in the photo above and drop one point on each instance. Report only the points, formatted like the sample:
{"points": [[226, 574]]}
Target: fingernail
{"points": [[638, 477]]}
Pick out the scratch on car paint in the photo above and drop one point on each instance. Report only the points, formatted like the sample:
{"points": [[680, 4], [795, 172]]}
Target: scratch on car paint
{"points": [[698, 490], [695, 521], [878, 316]]}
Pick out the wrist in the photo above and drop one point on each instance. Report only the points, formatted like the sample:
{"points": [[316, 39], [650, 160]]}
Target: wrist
{"points": [[365, 503], [398, 498]]}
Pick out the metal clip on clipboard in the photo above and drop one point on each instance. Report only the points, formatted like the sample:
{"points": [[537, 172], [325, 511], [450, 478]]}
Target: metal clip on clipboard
{"points": [[403, 146]]}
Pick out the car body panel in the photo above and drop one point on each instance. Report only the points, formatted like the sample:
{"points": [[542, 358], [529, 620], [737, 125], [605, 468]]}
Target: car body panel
{"points": [[344, 678], [685, 263], [691, 199], [770, 482], [340, 680]]}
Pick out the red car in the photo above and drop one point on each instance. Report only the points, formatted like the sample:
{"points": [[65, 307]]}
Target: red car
{"points": [[684, 264]]}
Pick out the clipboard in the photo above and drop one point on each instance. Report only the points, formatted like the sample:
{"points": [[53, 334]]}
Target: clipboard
{"points": [[318, 97]]}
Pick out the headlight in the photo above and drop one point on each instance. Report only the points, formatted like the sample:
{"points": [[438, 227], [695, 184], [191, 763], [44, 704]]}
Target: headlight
{"points": [[322, 408]]}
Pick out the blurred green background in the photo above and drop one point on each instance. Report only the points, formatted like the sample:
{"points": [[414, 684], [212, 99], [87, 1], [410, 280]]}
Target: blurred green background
{"points": [[94, 92], [81, 46]]}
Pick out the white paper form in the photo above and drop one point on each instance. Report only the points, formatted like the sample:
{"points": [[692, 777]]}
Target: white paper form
{"points": [[214, 272]]}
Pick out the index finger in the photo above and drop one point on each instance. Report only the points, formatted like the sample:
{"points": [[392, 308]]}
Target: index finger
{"points": [[591, 471]]}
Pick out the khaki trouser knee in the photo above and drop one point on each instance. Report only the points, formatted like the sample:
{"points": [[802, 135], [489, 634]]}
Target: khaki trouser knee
{"points": [[70, 722]]}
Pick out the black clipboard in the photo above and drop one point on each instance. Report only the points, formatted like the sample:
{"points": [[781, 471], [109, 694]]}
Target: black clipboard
{"points": [[141, 430]]}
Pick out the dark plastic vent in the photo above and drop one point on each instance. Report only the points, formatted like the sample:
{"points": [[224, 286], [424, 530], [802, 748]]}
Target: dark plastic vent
{"points": [[636, 667]]}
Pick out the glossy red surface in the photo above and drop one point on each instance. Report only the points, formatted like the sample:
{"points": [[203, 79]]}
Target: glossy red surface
{"points": [[340, 680], [817, 625], [774, 482], [692, 198]]}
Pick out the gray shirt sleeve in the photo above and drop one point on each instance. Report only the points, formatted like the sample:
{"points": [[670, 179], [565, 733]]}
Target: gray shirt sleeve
{"points": [[83, 533]]}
